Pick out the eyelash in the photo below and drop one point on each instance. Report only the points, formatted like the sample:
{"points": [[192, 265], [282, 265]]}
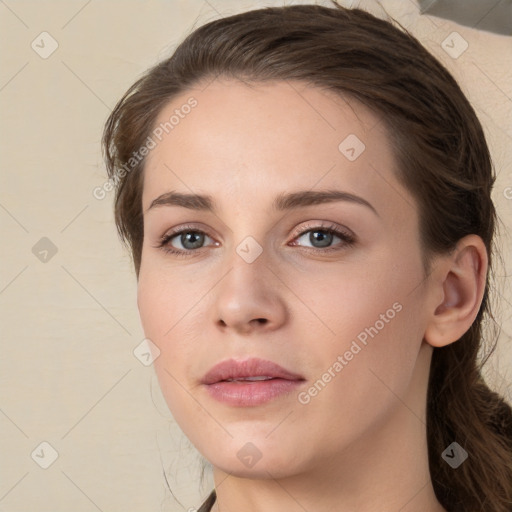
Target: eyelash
{"points": [[347, 240]]}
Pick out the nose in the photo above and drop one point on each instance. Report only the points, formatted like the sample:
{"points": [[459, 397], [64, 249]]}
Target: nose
{"points": [[250, 297]]}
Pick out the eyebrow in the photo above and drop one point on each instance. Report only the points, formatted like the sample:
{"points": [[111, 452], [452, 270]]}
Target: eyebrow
{"points": [[284, 201]]}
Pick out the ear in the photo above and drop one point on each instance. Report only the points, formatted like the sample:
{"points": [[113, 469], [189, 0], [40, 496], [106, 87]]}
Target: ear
{"points": [[458, 288]]}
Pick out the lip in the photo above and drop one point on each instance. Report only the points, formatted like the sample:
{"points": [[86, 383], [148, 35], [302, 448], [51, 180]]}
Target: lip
{"points": [[249, 393]]}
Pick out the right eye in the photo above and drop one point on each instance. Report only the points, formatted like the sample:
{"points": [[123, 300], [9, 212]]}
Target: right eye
{"points": [[191, 239]]}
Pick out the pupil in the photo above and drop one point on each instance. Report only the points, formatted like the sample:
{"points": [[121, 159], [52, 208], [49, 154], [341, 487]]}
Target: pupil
{"points": [[325, 238], [189, 237]]}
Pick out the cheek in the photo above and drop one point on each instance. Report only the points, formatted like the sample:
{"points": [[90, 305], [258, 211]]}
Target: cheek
{"points": [[364, 300], [359, 376], [165, 302], [371, 317], [172, 316]]}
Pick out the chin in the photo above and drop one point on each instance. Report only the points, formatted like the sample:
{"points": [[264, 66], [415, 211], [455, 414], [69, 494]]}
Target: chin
{"points": [[258, 458], [261, 470]]}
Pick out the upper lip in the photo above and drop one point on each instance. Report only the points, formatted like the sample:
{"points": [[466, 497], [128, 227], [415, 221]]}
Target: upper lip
{"points": [[254, 367]]}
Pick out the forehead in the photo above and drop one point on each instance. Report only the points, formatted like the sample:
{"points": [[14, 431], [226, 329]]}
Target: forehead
{"points": [[257, 140]]}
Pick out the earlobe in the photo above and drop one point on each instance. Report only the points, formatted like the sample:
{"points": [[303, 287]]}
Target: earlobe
{"points": [[460, 284]]}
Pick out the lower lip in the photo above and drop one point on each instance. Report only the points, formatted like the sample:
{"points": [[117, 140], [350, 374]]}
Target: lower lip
{"points": [[249, 393]]}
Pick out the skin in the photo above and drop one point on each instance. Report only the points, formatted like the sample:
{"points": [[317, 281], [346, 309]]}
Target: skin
{"points": [[360, 443]]}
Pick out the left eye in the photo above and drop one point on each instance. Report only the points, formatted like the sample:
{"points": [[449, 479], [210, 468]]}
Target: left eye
{"points": [[322, 237]]}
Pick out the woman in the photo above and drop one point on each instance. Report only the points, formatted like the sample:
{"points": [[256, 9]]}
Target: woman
{"points": [[306, 193]]}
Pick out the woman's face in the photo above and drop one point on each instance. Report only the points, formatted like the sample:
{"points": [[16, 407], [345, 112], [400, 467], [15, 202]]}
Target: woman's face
{"points": [[259, 277]]}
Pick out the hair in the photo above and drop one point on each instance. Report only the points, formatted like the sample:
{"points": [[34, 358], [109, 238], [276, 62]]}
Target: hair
{"points": [[442, 159]]}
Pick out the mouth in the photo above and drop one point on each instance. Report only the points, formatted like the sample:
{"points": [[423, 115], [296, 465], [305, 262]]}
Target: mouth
{"points": [[249, 383], [250, 379]]}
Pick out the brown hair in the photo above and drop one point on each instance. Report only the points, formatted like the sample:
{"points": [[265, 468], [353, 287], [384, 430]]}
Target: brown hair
{"points": [[443, 159]]}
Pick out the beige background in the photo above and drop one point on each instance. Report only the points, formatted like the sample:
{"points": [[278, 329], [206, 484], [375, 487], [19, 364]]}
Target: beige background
{"points": [[68, 375]]}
